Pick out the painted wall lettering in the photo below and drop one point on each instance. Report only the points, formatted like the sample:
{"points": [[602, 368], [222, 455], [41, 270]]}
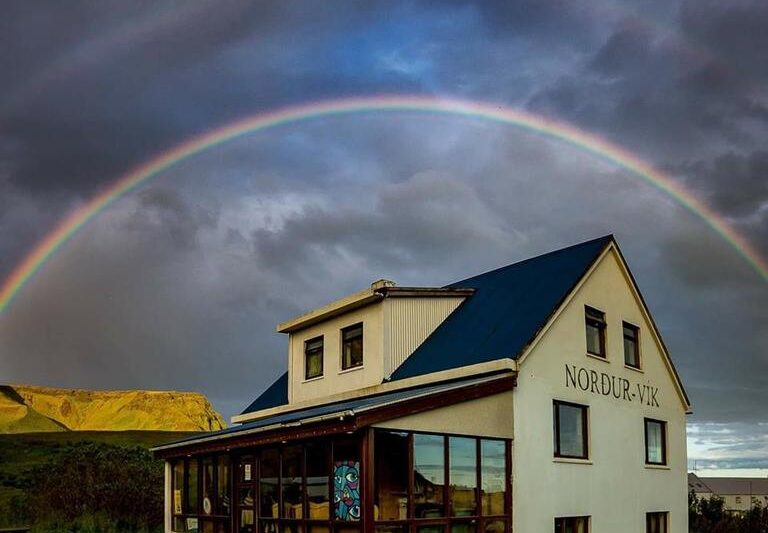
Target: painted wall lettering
{"points": [[607, 385]]}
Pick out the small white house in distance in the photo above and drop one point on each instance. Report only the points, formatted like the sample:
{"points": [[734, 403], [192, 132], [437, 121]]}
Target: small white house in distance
{"points": [[536, 397], [739, 494]]}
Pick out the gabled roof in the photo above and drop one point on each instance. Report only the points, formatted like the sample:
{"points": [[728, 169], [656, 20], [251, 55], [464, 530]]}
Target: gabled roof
{"points": [[504, 314], [508, 309], [728, 486], [696, 483]]}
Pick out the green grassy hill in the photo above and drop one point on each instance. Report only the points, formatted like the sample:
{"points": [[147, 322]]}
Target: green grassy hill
{"points": [[22, 453]]}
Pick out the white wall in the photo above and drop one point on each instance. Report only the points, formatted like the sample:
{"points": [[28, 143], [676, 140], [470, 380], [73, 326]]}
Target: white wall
{"points": [[334, 379], [614, 486], [485, 417]]}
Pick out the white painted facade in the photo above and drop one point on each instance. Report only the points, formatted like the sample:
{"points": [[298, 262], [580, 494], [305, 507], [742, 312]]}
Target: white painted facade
{"points": [[613, 486]]}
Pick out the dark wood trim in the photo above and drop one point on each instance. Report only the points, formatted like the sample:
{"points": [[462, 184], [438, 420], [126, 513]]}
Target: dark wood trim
{"points": [[663, 425], [349, 424], [636, 329], [260, 439], [411, 474], [434, 401], [342, 341], [320, 338], [585, 426], [431, 292], [597, 320], [367, 496]]}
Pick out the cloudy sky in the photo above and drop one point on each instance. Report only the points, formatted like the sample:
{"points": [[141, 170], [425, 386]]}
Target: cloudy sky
{"points": [[179, 284]]}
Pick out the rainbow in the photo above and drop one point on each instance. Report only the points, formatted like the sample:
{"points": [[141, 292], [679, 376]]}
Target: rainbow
{"points": [[546, 127]]}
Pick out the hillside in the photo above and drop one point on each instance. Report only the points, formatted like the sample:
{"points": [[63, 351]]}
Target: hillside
{"points": [[28, 408]]}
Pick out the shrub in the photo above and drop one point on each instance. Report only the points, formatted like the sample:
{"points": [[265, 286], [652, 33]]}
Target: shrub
{"points": [[98, 487]]}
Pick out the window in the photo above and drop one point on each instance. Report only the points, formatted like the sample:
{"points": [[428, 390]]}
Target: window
{"points": [[462, 476], [352, 346], [313, 358], [570, 430], [391, 476], [595, 326], [656, 522], [572, 524], [655, 442], [200, 495], [428, 475], [431, 483], [631, 345]]}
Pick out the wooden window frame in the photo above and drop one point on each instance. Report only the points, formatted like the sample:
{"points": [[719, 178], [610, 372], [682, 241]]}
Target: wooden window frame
{"points": [[307, 354], [636, 329], [664, 458], [556, 429], [412, 524], [650, 516], [344, 332], [596, 318], [564, 525], [199, 514]]}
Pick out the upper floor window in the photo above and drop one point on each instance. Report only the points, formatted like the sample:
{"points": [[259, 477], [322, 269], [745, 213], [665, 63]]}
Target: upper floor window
{"points": [[570, 430], [656, 522], [572, 524], [655, 442], [313, 358], [595, 326], [631, 345], [352, 346]]}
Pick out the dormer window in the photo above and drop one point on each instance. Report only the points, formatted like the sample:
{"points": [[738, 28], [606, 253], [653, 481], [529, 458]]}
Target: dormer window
{"points": [[313, 358], [352, 346]]}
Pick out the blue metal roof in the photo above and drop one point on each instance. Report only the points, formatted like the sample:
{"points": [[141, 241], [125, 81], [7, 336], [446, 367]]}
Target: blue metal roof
{"points": [[354, 406], [275, 395], [509, 307]]}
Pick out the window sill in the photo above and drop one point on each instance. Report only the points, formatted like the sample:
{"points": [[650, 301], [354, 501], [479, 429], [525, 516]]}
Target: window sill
{"points": [[572, 460], [347, 370], [658, 467], [598, 357], [316, 378], [634, 368]]}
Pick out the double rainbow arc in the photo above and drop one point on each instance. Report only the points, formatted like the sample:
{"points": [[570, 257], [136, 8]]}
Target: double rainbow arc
{"points": [[593, 144]]}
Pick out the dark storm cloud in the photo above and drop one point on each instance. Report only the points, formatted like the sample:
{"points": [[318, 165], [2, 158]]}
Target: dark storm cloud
{"points": [[180, 283], [735, 184]]}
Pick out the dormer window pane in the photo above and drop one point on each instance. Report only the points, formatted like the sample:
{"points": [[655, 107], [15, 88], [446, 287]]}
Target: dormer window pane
{"points": [[313, 358], [352, 346]]}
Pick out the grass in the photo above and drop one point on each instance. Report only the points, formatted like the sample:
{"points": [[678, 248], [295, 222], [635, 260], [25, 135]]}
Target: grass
{"points": [[21, 453]]}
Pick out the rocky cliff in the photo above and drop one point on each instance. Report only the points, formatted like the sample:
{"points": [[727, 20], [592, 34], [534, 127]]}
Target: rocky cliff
{"points": [[28, 408]]}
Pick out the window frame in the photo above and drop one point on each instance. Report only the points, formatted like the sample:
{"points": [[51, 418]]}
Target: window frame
{"points": [[343, 332], [563, 525], [307, 354], [556, 429], [596, 318], [663, 425], [624, 326], [664, 515], [447, 519]]}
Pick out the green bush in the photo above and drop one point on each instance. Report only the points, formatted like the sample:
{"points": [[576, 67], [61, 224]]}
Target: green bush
{"points": [[97, 487], [710, 516]]}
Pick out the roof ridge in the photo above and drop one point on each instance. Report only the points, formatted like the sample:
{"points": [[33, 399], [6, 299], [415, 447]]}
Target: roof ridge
{"points": [[607, 238]]}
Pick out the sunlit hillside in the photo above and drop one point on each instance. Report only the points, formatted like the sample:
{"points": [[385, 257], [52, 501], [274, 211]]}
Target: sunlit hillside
{"points": [[28, 409]]}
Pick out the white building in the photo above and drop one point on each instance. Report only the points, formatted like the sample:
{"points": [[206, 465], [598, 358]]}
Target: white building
{"points": [[533, 398], [739, 494]]}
